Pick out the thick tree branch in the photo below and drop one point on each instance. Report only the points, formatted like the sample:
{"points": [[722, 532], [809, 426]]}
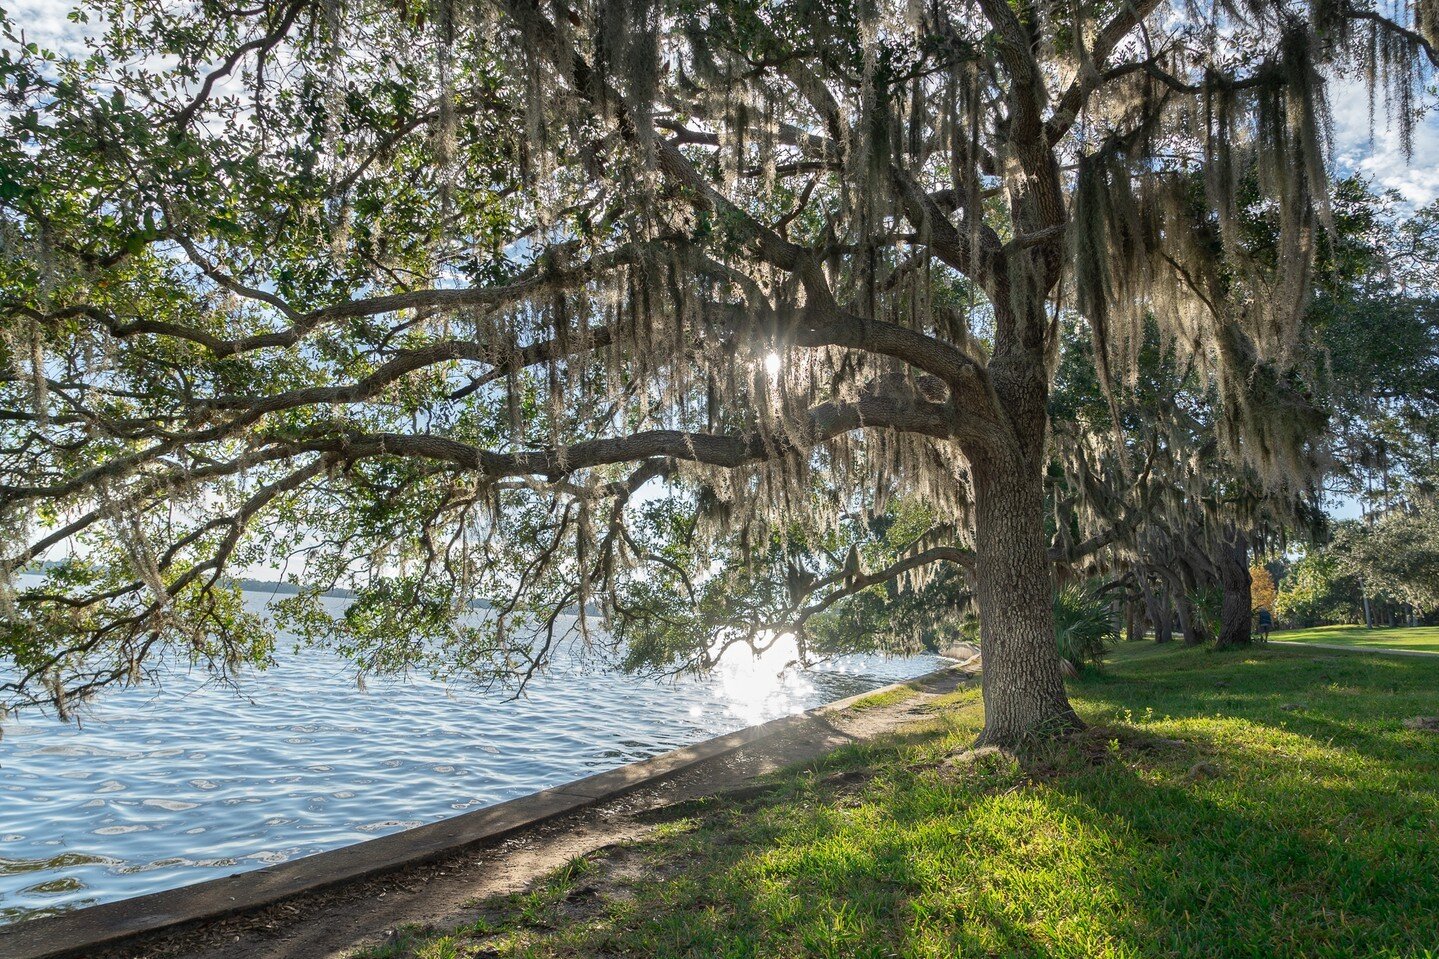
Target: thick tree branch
{"points": [[1072, 101], [825, 422]]}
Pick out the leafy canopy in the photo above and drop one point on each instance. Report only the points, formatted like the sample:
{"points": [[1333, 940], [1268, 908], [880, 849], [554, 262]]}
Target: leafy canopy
{"points": [[416, 298]]}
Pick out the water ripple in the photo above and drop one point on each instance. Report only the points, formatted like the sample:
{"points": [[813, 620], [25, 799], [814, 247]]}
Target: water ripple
{"points": [[158, 790]]}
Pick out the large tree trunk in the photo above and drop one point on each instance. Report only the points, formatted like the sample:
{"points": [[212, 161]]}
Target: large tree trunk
{"points": [[1235, 611], [1156, 603], [1024, 693], [1133, 620], [1024, 696]]}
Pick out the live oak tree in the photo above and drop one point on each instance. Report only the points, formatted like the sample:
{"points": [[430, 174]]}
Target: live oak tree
{"points": [[1362, 368], [1314, 591], [1396, 556], [1161, 461], [1377, 314], [423, 295]]}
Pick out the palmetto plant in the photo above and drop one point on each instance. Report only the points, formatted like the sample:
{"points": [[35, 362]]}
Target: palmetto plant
{"points": [[1083, 625], [1208, 601]]}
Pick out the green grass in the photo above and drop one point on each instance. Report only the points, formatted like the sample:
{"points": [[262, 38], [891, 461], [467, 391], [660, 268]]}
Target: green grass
{"points": [[1423, 638], [1267, 803], [887, 698]]}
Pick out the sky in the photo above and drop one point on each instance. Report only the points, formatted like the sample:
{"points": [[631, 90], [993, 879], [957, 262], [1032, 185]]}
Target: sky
{"points": [[1416, 179]]}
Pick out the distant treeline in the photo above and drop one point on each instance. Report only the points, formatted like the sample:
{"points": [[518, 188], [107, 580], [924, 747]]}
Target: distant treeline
{"points": [[286, 589], [275, 587]]}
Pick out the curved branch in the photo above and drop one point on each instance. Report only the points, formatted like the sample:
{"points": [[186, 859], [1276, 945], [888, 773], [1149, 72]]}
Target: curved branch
{"points": [[262, 45], [1385, 23], [825, 422], [491, 297], [1072, 101]]}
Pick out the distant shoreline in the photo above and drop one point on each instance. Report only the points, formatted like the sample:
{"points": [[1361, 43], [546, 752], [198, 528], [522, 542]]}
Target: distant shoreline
{"points": [[278, 587], [288, 589], [244, 582]]}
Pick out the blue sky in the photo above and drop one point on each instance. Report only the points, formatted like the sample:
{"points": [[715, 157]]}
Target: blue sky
{"points": [[1416, 179]]}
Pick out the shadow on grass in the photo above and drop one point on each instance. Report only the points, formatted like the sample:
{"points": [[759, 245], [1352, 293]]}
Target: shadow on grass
{"points": [[1260, 832]]}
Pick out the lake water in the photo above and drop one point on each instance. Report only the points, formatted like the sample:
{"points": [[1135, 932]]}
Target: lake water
{"points": [[158, 788]]}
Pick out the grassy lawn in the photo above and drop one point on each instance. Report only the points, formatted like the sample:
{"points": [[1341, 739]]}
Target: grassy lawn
{"points": [[1260, 804], [1424, 638]]}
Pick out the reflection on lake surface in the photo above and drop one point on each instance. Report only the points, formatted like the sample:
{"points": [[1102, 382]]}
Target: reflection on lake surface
{"points": [[161, 788]]}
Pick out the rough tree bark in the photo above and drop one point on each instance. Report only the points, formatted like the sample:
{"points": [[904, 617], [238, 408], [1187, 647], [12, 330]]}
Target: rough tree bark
{"points": [[1156, 603], [1024, 694], [1023, 685], [1233, 564]]}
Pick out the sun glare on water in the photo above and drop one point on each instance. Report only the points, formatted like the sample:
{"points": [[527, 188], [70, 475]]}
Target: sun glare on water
{"points": [[753, 687]]}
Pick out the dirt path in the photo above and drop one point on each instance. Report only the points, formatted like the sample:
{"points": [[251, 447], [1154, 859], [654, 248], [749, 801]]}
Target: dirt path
{"points": [[335, 922]]}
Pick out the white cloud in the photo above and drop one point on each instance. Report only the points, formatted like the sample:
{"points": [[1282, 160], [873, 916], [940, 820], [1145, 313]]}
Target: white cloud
{"points": [[1416, 179], [47, 23]]}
